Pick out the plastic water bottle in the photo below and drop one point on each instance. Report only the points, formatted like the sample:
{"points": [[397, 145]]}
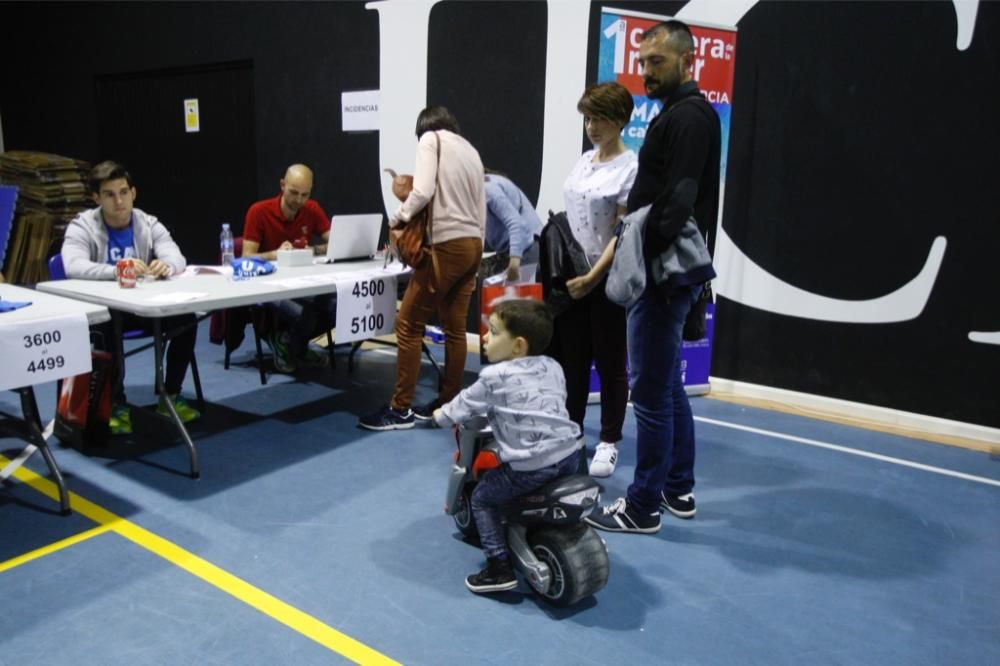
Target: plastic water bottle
{"points": [[226, 245]]}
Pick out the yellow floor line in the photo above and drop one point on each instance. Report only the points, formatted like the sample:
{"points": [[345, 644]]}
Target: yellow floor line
{"points": [[53, 547], [271, 606]]}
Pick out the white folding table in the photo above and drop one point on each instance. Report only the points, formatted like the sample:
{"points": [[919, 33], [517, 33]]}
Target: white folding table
{"points": [[208, 291], [43, 307]]}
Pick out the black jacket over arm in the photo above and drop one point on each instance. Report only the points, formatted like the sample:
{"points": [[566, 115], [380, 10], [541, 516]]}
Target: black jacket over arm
{"points": [[679, 169]]}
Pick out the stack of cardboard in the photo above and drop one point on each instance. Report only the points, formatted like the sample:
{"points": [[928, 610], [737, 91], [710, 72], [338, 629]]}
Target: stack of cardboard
{"points": [[8, 199], [51, 190]]}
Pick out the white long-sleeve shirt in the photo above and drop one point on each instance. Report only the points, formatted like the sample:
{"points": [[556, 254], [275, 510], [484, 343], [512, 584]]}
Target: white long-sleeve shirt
{"points": [[524, 400]]}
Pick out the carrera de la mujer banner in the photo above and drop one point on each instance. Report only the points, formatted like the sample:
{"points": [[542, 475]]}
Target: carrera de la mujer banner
{"points": [[713, 68]]}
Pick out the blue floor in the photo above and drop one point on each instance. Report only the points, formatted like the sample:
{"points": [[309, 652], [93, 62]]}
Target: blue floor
{"points": [[799, 554]]}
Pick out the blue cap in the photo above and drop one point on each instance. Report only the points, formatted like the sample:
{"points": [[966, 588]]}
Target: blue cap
{"points": [[251, 267]]}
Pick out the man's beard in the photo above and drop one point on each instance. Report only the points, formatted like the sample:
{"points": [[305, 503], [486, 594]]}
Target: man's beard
{"points": [[664, 89]]}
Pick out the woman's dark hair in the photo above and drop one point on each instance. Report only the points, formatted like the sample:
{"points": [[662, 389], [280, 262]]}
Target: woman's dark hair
{"points": [[435, 118], [610, 101], [528, 319]]}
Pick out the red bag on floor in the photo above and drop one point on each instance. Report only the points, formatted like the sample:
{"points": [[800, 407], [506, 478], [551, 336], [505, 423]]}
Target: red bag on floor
{"points": [[84, 407], [492, 295]]}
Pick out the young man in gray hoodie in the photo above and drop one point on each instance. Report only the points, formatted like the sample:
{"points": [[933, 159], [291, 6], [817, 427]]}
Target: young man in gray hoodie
{"points": [[95, 240]]}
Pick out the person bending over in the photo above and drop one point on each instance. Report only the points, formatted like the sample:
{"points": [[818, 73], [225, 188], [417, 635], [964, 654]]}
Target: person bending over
{"points": [[512, 226], [523, 394]]}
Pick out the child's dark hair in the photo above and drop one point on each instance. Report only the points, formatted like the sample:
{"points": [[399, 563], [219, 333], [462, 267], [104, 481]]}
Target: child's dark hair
{"points": [[531, 320]]}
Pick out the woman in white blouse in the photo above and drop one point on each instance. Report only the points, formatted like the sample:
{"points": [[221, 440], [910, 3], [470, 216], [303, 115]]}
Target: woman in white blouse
{"points": [[592, 330]]}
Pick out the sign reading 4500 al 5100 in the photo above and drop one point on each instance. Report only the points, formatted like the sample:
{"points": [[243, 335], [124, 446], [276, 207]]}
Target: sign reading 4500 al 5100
{"points": [[366, 307]]}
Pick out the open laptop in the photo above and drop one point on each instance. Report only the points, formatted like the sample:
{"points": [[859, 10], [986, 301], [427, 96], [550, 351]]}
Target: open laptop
{"points": [[353, 237]]}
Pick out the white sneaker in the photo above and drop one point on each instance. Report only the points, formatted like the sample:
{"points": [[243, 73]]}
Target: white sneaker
{"points": [[604, 460]]}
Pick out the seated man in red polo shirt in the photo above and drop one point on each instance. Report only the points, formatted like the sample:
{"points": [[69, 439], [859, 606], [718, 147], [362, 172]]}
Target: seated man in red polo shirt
{"points": [[276, 224]]}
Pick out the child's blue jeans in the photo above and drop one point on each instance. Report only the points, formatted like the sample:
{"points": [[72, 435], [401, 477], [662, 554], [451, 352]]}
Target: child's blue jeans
{"points": [[499, 486]]}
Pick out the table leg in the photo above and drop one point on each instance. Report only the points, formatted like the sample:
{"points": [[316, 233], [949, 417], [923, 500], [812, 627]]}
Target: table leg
{"points": [[29, 408], [437, 368], [196, 378], [117, 347], [161, 390], [256, 312], [356, 345]]}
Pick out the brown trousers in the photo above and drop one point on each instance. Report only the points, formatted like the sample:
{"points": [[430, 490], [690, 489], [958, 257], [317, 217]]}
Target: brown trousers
{"points": [[443, 285]]}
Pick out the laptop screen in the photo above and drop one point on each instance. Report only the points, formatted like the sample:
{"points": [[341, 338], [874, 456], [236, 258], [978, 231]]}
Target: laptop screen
{"points": [[354, 236]]}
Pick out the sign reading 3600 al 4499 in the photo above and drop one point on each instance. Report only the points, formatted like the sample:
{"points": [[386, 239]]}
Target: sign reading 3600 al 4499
{"points": [[44, 350]]}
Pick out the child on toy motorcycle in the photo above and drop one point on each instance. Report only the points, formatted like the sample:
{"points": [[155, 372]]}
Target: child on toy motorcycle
{"points": [[523, 395]]}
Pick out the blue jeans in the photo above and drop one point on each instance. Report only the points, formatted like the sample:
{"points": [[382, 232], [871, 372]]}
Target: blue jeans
{"points": [[303, 318], [501, 485], [664, 424], [178, 355]]}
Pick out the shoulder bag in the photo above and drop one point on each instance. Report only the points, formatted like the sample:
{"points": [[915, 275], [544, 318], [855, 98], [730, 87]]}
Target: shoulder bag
{"points": [[695, 325], [411, 241]]}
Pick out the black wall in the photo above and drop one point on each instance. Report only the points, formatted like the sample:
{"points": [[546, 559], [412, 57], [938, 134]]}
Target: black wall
{"points": [[859, 134], [303, 55]]}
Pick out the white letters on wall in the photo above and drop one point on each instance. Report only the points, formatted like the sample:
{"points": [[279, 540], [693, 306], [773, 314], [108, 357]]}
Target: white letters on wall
{"points": [[965, 13], [403, 31], [402, 65], [742, 280], [565, 78]]}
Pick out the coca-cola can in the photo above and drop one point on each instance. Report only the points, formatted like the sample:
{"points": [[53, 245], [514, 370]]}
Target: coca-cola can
{"points": [[126, 273]]}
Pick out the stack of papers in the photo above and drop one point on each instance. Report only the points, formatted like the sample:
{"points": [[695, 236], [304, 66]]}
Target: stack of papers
{"points": [[527, 276], [191, 271], [177, 297]]}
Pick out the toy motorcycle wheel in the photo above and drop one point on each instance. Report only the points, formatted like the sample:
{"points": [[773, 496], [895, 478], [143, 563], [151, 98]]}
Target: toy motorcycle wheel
{"points": [[464, 521], [577, 559]]}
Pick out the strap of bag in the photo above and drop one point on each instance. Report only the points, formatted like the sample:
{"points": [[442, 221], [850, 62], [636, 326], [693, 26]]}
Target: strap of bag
{"points": [[430, 208], [681, 102], [437, 186]]}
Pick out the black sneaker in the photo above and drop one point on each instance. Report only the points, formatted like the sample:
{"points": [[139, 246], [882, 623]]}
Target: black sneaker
{"points": [[497, 576], [620, 517], [388, 418], [426, 412], [681, 506]]}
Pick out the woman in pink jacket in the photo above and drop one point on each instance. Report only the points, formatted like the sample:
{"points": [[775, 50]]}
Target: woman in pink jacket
{"points": [[442, 284]]}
